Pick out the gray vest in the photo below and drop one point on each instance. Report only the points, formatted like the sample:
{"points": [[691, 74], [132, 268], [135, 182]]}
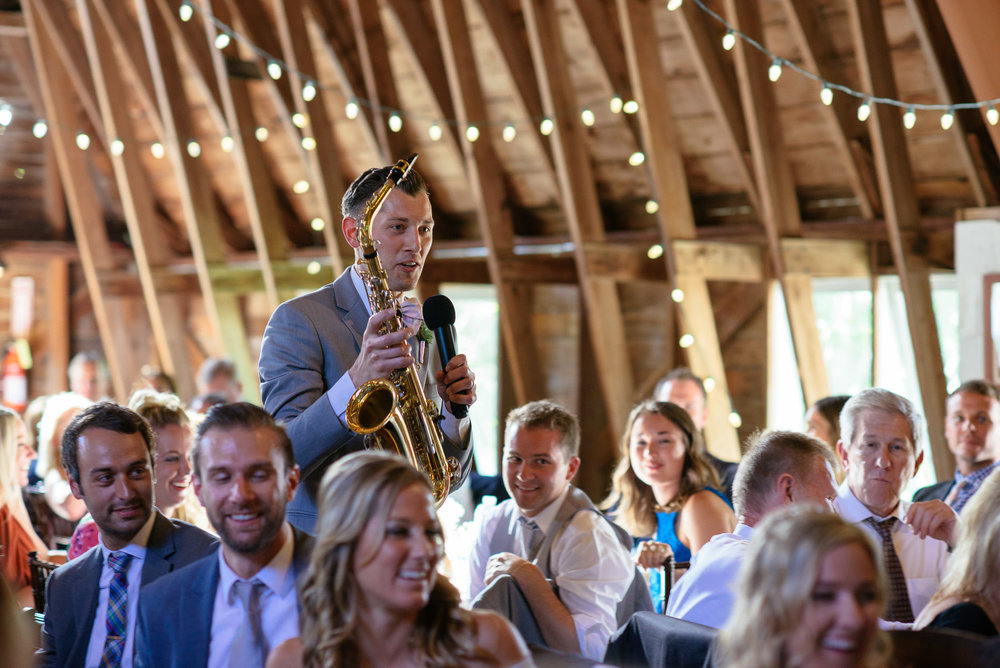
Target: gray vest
{"points": [[636, 599]]}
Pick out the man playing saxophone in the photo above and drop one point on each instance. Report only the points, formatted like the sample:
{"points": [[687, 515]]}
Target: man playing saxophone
{"points": [[320, 347]]}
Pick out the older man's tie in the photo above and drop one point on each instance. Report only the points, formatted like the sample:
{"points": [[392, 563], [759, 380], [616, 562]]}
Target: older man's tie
{"points": [[899, 598]]}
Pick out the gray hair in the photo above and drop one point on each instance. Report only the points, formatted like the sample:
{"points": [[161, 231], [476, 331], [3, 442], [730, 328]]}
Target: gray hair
{"points": [[879, 399]]}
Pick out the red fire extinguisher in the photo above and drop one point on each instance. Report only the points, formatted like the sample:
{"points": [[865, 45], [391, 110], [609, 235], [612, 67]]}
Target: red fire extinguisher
{"points": [[15, 380]]}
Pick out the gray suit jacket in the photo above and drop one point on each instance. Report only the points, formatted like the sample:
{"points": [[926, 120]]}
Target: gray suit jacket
{"points": [[936, 491], [308, 345], [72, 591], [175, 615]]}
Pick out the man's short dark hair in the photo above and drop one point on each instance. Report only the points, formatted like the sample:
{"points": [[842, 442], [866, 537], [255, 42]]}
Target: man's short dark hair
{"points": [[980, 387], [216, 366], [103, 415], [770, 454], [681, 373], [352, 205], [241, 415]]}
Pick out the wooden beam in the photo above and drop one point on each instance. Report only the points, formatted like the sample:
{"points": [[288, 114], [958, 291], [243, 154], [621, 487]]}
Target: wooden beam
{"points": [[779, 206], [82, 197], [579, 200], [197, 198], [12, 25], [324, 167], [848, 136], [57, 329], [258, 189], [166, 312], [486, 182], [892, 163]]}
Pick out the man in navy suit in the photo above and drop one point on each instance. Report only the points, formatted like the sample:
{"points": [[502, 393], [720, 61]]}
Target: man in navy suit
{"points": [[972, 431], [233, 606], [320, 347], [106, 451]]}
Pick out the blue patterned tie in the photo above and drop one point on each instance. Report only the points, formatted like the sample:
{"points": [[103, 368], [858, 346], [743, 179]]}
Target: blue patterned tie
{"points": [[114, 645]]}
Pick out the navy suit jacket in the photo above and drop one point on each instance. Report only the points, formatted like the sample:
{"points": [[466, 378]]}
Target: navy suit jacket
{"points": [[175, 615], [936, 491], [308, 345], [72, 591]]}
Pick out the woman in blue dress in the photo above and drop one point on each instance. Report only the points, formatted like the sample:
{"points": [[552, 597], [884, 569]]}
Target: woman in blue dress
{"points": [[663, 491]]}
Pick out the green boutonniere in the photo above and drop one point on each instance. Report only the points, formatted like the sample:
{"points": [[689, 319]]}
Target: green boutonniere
{"points": [[425, 334]]}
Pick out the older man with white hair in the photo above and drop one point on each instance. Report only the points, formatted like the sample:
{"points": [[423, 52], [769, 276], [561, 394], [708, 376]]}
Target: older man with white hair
{"points": [[880, 451]]}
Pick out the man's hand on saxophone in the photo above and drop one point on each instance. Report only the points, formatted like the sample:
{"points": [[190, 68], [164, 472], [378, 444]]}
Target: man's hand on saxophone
{"points": [[381, 354]]}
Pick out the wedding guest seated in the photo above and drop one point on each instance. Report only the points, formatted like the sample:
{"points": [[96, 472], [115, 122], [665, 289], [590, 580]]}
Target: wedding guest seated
{"points": [[171, 466], [231, 607], [880, 451], [972, 431], [92, 601], [969, 596], [663, 491], [778, 469], [823, 419], [547, 558], [17, 536], [59, 410], [372, 595], [809, 594]]}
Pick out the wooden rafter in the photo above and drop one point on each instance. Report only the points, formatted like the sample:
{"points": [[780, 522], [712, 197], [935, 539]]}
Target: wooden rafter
{"points": [[494, 216], [892, 163], [165, 308], [579, 200], [675, 215]]}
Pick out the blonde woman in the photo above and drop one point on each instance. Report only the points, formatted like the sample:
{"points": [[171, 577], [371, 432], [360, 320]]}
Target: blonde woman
{"points": [[663, 490], [60, 409], [372, 595], [808, 595], [17, 536], [968, 598]]}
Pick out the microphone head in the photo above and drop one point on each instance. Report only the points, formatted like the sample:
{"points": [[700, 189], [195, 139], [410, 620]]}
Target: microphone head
{"points": [[438, 312]]}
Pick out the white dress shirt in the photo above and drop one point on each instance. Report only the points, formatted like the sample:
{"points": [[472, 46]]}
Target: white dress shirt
{"points": [[591, 569], [279, 609], [923, 559], [99, 633], [706, 593]]}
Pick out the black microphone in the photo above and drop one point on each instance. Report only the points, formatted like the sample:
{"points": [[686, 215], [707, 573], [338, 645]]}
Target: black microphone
{"points": [[439, 316]]}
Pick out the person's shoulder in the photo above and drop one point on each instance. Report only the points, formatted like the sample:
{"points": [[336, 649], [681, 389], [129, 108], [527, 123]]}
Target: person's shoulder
{"points": [[190, 537], [75, 568], [706, 500], [936, 491], [169, 585], [498, 638]]}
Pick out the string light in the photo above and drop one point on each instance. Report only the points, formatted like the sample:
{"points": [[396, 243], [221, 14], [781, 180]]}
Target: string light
{"points": [[351, 110], [317, 224], [300, 187], [309, 143], [274, 69], [947, 120], [677, 295], [82, 141], [117, 147], [309, 91], [909, 119], [39, 129], [185, 11], [472, 133], [395, 121], [435, 132], [652, 206], [709, 384], [616, 104], [637, 158], [587, 116], [735, 420], [729, 40], [299, 120], [313, 268], [509, 133], [686, 341], [156, 148], [227, 144], [655, 252], [193, 148], [992, 115], [222, 40], [864, 110], [630, 107], [546, 126], [826, 95], [261, 134], [774, 71], [6, 115], [674, 5]]}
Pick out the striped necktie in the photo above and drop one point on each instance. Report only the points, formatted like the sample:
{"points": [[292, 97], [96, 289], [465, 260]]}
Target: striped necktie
{"points": [[114, 644]]}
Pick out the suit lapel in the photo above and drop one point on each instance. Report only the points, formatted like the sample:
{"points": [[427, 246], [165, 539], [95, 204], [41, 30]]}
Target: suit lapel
{"points": [[84, 604], [159, 549], [197, 605], [347, 299]]}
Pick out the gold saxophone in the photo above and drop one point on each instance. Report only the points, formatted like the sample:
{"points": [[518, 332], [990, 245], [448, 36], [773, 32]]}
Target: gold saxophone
{"points": [[393, 413]]}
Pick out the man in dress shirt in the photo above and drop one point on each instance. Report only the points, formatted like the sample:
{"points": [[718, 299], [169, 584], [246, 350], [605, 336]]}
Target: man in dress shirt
{"points": [[779, 468], [92, 601], [320, 347], [972, 430], [571, 543], [233, 606], [687, 390], [879, 450]]}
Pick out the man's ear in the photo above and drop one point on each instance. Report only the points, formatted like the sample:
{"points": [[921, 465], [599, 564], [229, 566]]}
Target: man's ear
{"points": [[842, 455], [920, 460], [350, 229], [196, 484], [74, 487], [293, 482], [574, 465], [784, 487]]}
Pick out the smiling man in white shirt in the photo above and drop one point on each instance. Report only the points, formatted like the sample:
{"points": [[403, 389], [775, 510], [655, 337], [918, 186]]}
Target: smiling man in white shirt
{"points": [[880, 451], [550, 531]]}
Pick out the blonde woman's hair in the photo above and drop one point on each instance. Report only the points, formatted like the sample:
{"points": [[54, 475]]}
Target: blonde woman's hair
{"points": [[48, 446], [971, 571], [10, 489], [776, 581], [631, 499], [368, 484]]}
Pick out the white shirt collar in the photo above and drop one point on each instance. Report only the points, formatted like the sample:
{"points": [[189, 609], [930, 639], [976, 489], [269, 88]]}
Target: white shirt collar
{"points": [[546, 516], [277, 575], [852, 510], [137, 547]]}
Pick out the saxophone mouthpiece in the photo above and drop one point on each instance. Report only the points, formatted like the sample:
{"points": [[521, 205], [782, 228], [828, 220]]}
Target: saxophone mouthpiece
{"points": [[402, 168]]}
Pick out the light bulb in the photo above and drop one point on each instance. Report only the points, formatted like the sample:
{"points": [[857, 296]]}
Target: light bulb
{"points": [[472, 133], [309, 143], [546, 126], [729, 40], [82, 141], [299, 120], [637, 158], [774, 71], [864, 111], [39, 129], [317, 224], [673, 5], [654, 252], [313, 268], [351, 110], [300, 187], [630, 107], [309, 91], [686, 341], [909, 119], [222, 40], [435, 132], [947, 120], [677, 295], [227, 144], [709, 384], [117, 147], [587, 116], [156, 148], [6, 115], [261, 133], [826, 95], [509, 133], [185, 11], [274, 70], [395, 122], [992, 115], [616, 104], [652, 206], [193, 148]]}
